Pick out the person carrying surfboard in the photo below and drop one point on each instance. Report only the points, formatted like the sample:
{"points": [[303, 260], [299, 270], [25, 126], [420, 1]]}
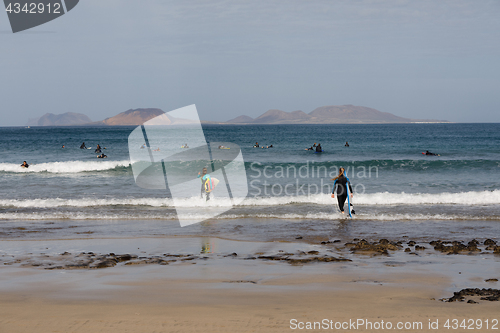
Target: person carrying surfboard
{"points": [[340, 184], [207, 183]]}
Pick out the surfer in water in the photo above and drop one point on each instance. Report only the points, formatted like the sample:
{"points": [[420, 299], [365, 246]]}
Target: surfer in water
{"points": [[428, 153], [102, 156], [25, 165], [346, 144], [97, 149], [340, 184], [83, 146], [256, 145], [318, 148], [204, 178]]}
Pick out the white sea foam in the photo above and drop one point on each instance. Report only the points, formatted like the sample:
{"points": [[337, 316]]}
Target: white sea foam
{"points": [[373, 199], [64, 167], [386, 198]]}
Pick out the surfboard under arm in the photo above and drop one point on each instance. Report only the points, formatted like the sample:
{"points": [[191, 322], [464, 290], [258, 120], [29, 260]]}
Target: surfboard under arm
{"points": [[348, 200], [348, 195]]}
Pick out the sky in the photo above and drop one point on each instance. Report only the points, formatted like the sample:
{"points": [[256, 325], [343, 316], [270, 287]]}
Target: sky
{"points": [[416, 59]]}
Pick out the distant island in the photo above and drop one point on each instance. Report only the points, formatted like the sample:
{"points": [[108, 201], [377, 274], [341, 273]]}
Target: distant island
{"points": [[132, 117], [65, 119], [333, 114]]}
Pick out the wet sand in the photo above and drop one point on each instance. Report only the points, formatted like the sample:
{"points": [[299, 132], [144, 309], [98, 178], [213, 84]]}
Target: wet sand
{"points": [[214, 285]]}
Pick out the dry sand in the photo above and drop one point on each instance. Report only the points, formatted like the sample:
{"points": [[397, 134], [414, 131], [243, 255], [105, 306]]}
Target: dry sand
{"points": [[142, 301]]}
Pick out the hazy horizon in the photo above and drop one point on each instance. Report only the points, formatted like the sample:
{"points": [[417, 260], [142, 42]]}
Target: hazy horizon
{"points": [[424, 60]]}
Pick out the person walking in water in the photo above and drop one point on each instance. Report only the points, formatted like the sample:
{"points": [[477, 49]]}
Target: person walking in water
{"points": [[340, 185], [205, 177]]}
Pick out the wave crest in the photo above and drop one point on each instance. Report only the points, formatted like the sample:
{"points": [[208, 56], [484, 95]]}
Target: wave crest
{"points": [[65, 167], [371, 199]]}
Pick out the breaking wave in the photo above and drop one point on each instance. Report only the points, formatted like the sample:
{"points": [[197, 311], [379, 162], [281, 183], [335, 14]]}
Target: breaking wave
{"points": [[65, 167], [371, 199]]}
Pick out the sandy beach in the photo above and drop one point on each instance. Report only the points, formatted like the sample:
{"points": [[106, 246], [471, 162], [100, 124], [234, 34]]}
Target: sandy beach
{"points": [[169, 285]]}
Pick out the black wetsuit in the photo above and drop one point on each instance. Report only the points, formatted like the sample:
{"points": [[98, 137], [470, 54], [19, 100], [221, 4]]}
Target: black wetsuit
{"points": [[341, 186], [318, 149], [83, 146]]}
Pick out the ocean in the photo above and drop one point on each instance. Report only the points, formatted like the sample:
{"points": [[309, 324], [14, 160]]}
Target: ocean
{"points": [[397, 189]]}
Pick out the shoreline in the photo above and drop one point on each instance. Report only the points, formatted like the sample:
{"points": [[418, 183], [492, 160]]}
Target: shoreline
{"points": [[312, 231]]}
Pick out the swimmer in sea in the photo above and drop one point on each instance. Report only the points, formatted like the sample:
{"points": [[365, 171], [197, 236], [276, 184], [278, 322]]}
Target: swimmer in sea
{"points": [[256, 145], [346, 144], [102, 156], [83, 146], [25, 165]]}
